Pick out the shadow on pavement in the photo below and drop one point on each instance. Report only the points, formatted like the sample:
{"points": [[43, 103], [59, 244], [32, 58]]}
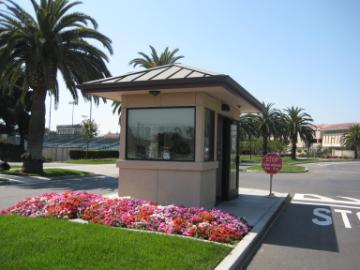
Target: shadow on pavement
{"points": [[81, 183], [295, 228]]}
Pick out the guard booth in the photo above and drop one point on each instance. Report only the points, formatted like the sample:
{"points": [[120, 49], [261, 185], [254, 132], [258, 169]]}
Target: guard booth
{"points": [[179, 136]]}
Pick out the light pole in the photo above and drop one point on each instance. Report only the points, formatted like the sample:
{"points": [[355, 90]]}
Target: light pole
{"points": [[50, 111], [72, 115]]}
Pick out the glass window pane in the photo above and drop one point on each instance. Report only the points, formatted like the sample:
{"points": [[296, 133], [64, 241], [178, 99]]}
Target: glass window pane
{"points": [[209, 135], [161, 134]]}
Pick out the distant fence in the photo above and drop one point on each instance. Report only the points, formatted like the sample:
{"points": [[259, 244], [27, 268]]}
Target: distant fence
{"points": [[57, 153]]}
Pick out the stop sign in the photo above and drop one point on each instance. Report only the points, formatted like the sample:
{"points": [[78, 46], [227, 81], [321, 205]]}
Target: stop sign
{"points": [[271, 163]]}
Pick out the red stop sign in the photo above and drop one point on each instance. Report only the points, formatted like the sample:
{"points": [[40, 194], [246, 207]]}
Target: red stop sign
{"points": [[271, 163]]}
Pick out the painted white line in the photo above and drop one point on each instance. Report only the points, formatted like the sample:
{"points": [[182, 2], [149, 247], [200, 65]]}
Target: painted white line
{"points": [[344, 216], [323, 199], [349, 198], [326, 204], [358, 215]]}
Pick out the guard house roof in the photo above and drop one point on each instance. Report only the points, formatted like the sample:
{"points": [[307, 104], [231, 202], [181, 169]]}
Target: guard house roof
{"points": [[174, 78]]}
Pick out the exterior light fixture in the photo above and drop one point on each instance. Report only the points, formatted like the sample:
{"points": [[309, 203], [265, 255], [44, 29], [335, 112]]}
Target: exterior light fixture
{"points": [[154, 92], [225, 107]]}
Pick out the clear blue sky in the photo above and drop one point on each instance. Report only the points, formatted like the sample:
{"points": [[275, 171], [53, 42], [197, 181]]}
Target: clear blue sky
{"points": [[301, 53]]}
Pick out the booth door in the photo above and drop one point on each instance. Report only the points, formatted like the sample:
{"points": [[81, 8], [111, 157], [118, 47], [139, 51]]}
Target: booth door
{"points": [[233, 164], [228, 157]]}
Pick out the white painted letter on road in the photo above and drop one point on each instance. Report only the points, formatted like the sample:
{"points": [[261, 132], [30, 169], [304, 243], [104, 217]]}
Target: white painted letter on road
{"points": [[325, 217], [344, 217]]}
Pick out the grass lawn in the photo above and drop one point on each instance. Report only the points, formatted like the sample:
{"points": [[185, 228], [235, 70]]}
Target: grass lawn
{"points": [[4, 181], [286, 160], [39, 243], [48, 172], [93, 161], [286, 168]]}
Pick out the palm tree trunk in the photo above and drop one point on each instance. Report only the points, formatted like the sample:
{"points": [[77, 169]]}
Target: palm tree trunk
{"points": [[265, 145], [293, 150], [33, 161]]}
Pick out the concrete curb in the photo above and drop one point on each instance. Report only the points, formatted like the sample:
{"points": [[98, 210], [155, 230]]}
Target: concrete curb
{"points": [[243, 252]]}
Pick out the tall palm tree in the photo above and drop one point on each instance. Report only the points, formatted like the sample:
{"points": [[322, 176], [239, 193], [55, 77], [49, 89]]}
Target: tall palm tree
{"points": [[51, 41], [248, 129], [351, 139], [268, 124], [299, 124], [154, 59]]}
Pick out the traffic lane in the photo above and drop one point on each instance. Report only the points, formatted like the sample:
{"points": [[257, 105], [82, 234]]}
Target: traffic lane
{"points": [[299, 241], [323, 178], [12, 193]]}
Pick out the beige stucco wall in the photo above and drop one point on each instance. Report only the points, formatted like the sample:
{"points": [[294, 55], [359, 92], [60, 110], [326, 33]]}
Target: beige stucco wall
{"points": [[171, 182]]}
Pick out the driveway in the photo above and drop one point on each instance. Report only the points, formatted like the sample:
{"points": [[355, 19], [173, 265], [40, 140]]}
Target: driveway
{"points": [[320, 228]]}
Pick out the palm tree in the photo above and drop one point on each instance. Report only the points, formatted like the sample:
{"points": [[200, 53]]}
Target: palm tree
{"points": [[268, 124], [165, 58], [155, 60], [51, 41], [351, 139], [248, 128], [299, 124]]}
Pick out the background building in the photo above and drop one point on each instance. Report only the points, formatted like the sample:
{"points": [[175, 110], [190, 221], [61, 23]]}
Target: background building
{"points": [[329, 137]]}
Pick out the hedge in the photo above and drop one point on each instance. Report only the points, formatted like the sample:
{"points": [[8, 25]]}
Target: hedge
{"points": [[80, 154], [10, 152]]}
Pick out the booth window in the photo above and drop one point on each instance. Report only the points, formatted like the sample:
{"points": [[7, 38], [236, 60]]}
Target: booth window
{"points": [[209, 135], [161, 134]]}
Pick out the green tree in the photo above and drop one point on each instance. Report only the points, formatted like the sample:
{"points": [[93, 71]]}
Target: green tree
{"points": [[351, 139], [154, 59], [269, 124], [51, 41], [248, 130], [299, 124], [89, 130]]}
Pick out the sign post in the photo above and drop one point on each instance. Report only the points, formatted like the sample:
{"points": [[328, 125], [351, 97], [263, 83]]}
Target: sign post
{"points": [[271, 164]]}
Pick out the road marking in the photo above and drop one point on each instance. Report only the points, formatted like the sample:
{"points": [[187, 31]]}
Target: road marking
{"points": [[345, 217], [349, 198], [319, 198], [327, 204], [325, 220], [358, 215]]}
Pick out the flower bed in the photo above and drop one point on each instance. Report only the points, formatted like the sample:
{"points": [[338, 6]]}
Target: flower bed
{"points": [[213, 225]]}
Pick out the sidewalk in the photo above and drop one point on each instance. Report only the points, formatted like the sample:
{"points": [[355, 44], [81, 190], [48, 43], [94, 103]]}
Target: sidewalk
{"points": [[259, 210]]}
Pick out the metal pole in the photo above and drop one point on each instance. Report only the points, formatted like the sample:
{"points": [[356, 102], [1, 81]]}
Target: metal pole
{"points": [[50, 111], [90, 110], [72, 115], [271, 178]]}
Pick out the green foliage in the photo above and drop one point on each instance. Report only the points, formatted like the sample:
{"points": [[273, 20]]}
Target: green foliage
{"points": [[299, 124], [39, 243], [54, 40], [94, 160], [155, 60], [287, 168], [89, 129], [10, 152], [351, 139], [49, 172], [93, 154]]}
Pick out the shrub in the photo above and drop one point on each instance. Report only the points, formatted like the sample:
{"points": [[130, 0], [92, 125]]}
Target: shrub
{"points": [[10, 152], [80, 154]]}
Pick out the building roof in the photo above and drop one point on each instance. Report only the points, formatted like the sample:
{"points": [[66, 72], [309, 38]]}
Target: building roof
{"points": [[169, 77], [340, 126]]}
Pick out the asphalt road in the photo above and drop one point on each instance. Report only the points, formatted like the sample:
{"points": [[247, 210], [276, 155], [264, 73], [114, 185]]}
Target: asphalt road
{"points": [[320, 228], [105, 182]]}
